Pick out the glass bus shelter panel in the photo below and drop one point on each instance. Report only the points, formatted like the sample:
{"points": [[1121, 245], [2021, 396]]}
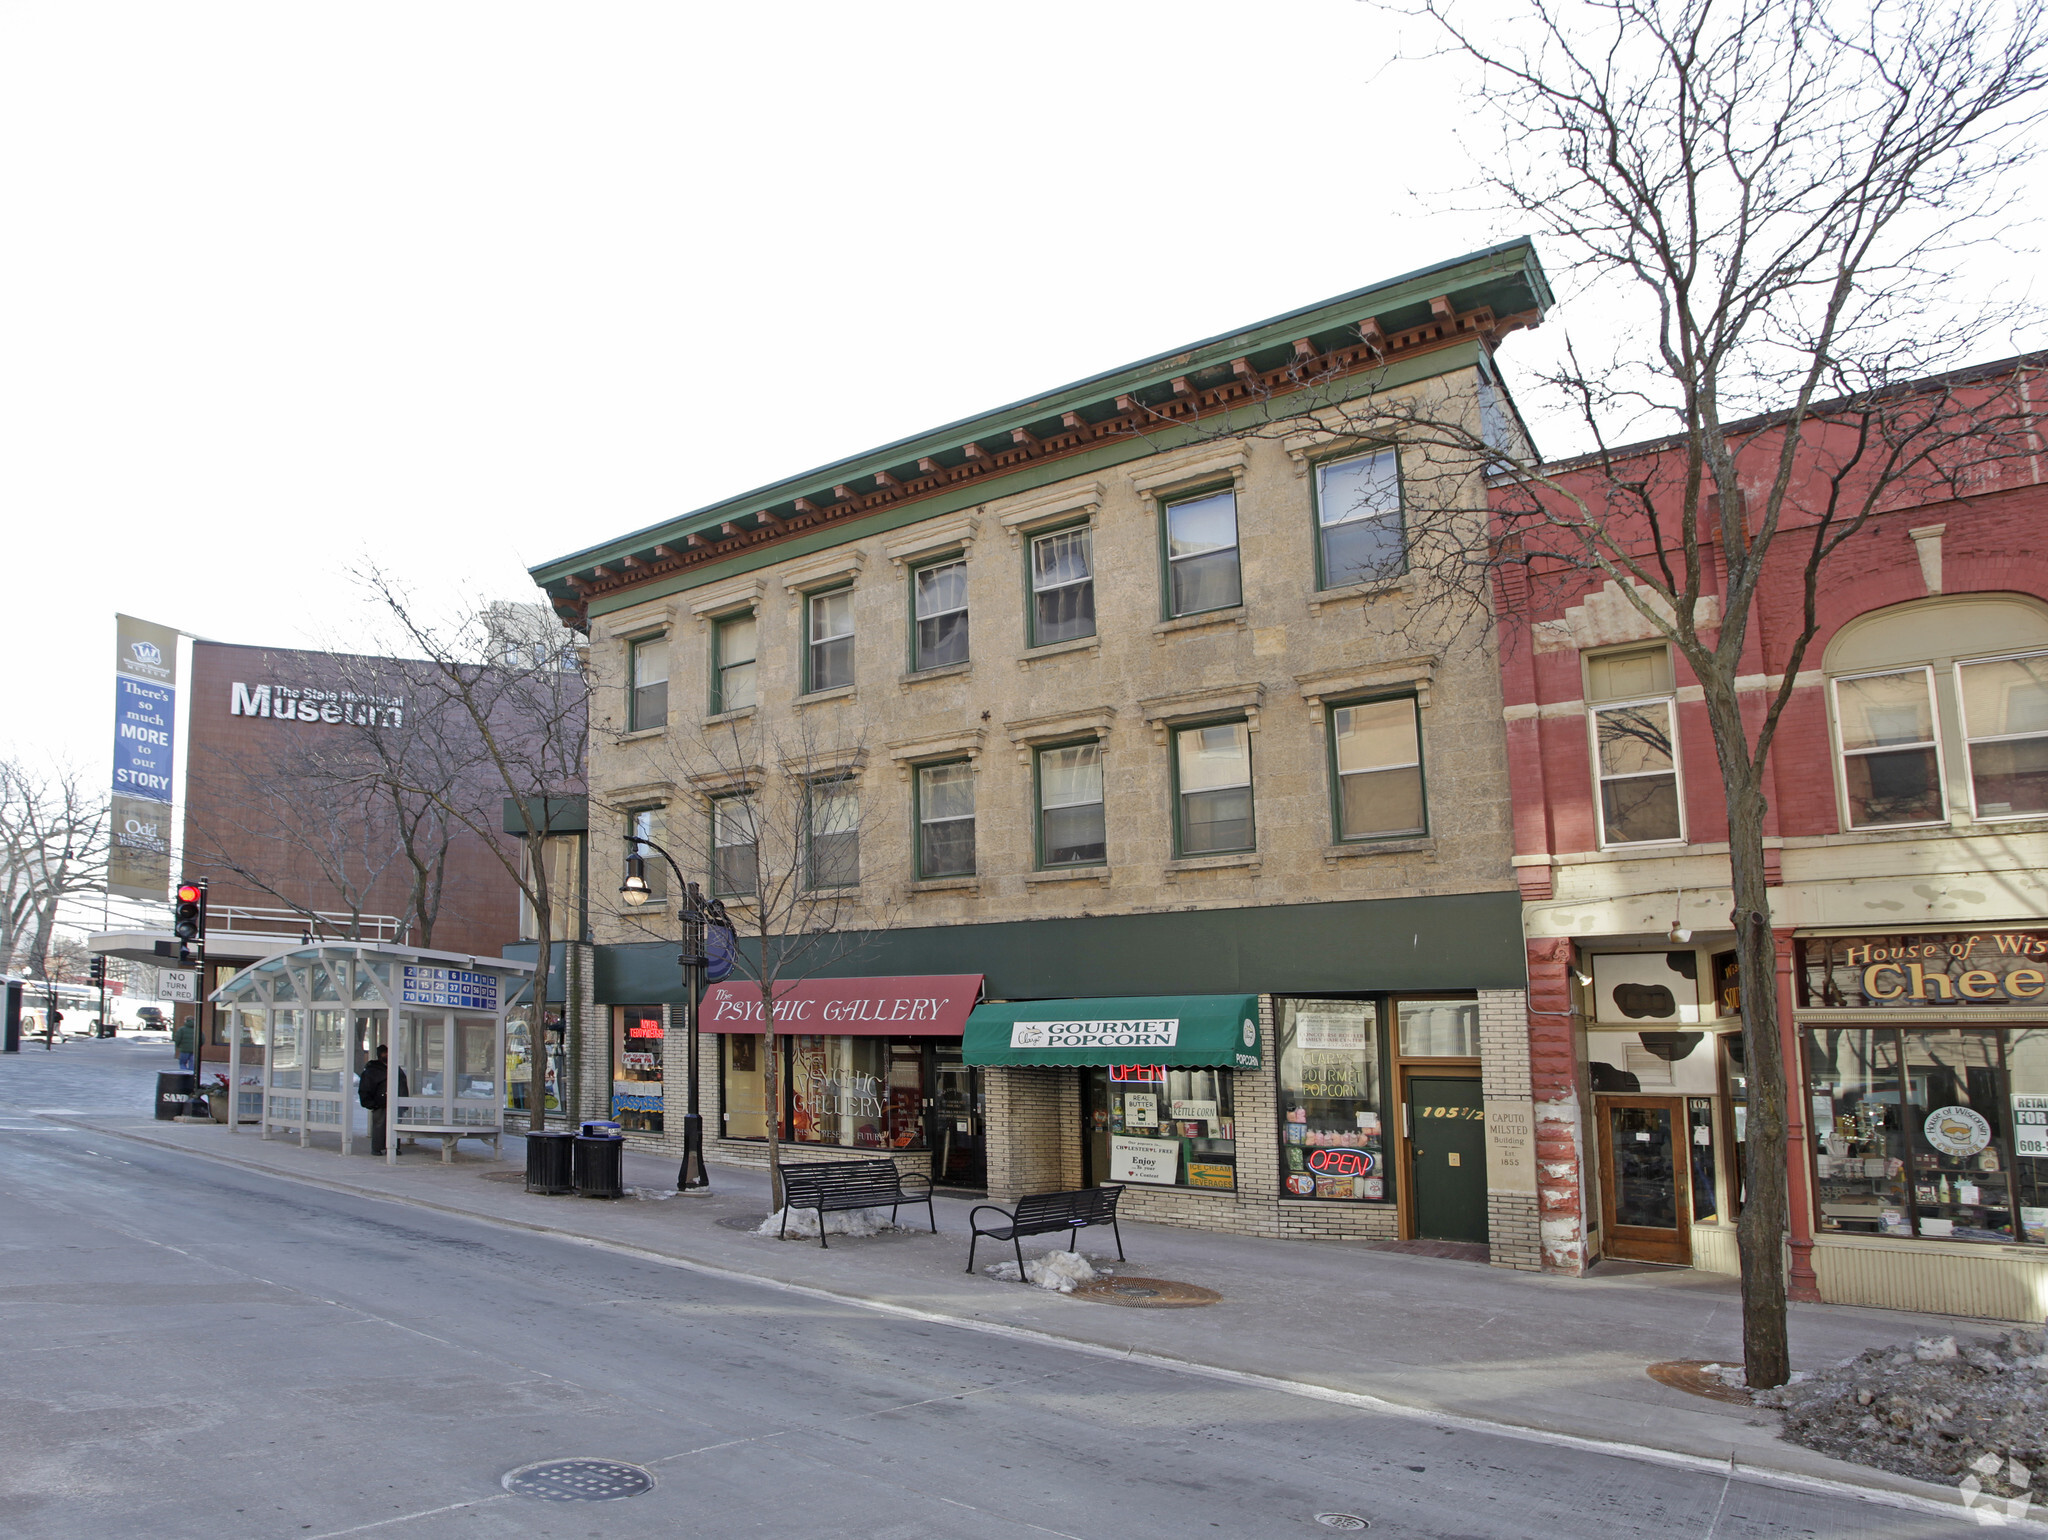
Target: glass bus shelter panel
{"points": [[476, 1069], [286, 1069]]}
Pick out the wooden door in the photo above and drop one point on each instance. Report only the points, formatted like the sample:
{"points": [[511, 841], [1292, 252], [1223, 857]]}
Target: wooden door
{"points": [[1645, 1197]]}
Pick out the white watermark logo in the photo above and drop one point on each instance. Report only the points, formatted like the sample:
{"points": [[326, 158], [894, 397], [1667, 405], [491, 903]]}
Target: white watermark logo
{"points": [[1988, 1508]]}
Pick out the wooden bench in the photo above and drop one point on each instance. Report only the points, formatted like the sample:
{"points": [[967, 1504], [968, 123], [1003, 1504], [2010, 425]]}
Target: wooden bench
{"points": [[829, 1185], [1048, 1213]]}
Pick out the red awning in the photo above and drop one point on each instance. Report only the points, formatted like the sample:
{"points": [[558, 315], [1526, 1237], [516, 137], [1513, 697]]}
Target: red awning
{"points": [[931, 1005]]}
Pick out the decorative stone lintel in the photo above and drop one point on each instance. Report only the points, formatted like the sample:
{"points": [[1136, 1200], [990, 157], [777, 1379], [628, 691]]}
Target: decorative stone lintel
{"points": [[1027, 733], [968, 885], [1075, 874], [904, 682], [1234, 616], [908, 753], [1164, 712], [715, 601], [824, 762], [1360, 593], [1424, 845], [800, 578], [1417, 674], [1191, 471], [730, 780], [1022, 515], [1058, 650], [1241, 860], [940, 535]]}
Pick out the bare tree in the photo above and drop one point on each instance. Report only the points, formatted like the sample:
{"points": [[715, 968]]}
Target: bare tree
{"points": [[775, 816], [1768, 199], [502, 735], [53, 847]]}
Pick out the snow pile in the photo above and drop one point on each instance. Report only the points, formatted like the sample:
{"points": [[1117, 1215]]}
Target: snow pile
{"points": [[803, 1223], [651, 1194], [1060, 1270], [1940, 1410], [1737, 1376]]}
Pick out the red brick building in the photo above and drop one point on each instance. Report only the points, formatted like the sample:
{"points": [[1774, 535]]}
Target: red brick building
{"points": [[1906, 839]]}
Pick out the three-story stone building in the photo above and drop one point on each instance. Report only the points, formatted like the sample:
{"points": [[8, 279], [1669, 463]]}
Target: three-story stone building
{"points": [[1160, 795]]}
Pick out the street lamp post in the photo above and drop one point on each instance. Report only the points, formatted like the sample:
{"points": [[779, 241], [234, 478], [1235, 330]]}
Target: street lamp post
{"points": [[692, 1176]]}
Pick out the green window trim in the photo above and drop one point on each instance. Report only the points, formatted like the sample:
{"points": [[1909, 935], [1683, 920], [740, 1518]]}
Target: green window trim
{"points": [[972, 818], [1031, 590], [842, 875], [956, 556], [1181, 852], [1169, 608], [811, 642], [719, 665], [1317, 528], [1336, 778], [721, 867], [1038, 807], [646, 699]]}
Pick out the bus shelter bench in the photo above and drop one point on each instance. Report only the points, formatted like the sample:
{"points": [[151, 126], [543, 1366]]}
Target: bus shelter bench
{"points": [[448, 1133], [1048, 1213], [829, 1185]]}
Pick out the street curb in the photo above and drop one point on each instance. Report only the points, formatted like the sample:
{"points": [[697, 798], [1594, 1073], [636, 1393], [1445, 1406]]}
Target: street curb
{"points": [[1899, 1492]]}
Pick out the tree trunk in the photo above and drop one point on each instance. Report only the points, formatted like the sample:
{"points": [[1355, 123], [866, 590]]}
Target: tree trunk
{"points": [[771, 1093], [1760, 1232]]}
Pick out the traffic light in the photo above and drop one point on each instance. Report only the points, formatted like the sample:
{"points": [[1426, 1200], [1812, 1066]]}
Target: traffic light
{"points": [[96, 969], [188, 922]]}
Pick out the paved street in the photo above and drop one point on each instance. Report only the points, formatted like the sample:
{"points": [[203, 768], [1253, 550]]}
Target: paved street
{"points": [[198, 1350]]}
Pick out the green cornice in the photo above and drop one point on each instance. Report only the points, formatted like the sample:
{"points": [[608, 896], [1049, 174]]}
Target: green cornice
{"points": [[1504, 281]]}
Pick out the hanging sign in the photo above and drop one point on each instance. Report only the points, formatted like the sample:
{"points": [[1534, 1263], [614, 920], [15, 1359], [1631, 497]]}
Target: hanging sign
{"points": [[145, 726]]}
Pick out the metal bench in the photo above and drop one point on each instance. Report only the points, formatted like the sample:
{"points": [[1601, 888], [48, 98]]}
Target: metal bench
{"points": [[1048, 1213], [829, 1185], [448, 1133]]}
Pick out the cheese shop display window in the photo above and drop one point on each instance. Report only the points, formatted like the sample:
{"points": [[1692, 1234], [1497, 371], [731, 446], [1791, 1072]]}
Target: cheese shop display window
{"points": [[1156, 1126], [637, 1035], [1939, 1133], [1333, 1143]]}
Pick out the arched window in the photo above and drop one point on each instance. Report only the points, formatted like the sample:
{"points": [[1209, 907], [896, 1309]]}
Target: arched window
{"points": [[1941, 704]]}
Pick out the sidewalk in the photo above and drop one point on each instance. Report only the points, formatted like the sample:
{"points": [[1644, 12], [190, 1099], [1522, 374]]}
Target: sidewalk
{"points": [[1555, 1355]]}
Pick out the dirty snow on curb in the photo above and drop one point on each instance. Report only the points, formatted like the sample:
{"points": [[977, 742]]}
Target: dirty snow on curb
{"points": [[1940, 1410], [803, 1223], [1061, 1270]]}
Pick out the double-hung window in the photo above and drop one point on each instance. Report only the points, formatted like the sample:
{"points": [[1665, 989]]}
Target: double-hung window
{"points": [[1062, 586], [1202, 570], [645, 824], [939, 596], [1376, 751], [832, 833], [1358, 518], [1633, 713], [2005, 723], [735, 643], [1213, 787], [945, 820], [735, 847], [1891, 760], [647, 684], [1070, 826], [828, 640]]}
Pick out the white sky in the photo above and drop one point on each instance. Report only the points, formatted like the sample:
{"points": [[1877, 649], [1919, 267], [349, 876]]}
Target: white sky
{"points": [[468, 286]]}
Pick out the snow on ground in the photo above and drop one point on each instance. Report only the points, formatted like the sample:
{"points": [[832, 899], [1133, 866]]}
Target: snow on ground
{"points": [[803, 1223], [1061, 1270]]}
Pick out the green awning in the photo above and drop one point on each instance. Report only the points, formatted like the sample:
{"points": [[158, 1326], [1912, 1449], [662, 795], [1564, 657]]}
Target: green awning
{"points": [[1178, 1031]]}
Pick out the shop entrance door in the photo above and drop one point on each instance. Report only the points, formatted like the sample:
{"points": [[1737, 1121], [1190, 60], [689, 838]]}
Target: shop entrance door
{"points": [[1447, 1157], [959, 1150], [1645, 1206]]}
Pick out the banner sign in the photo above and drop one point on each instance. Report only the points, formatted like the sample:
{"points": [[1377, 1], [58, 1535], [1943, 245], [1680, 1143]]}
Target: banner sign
{"points": [[454, 988], [145, 721]]}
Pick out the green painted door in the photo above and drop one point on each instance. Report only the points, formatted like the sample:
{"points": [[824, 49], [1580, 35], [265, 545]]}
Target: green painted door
{"points": [[1447, 1154]]}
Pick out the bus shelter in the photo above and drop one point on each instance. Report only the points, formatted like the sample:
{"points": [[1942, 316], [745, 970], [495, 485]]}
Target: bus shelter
{"points": [[321, 1012]]}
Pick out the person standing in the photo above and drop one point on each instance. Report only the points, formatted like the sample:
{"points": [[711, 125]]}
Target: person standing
{"points": [[372, 1091], [184, 1040]]}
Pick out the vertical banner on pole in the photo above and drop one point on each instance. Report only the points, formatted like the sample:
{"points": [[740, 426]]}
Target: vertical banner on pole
{"points": [[145, 719]]}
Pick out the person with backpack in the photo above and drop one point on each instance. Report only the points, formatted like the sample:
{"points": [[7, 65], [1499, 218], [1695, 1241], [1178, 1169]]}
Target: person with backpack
{"points": [[184, 1040], [372, 1091]]}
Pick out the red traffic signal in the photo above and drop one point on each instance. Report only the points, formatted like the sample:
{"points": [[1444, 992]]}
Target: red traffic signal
{"points": [[188, 915]]}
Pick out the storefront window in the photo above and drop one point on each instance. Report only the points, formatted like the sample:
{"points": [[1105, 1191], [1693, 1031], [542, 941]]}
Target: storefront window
{"points": [[1161, 1127], [1439, 1029], [519, 1058], [637, 1036], [1332, 1143], [853, 1092], [857, 1092], [2026, 1067], [1913, 1133], [1700, 1117]]}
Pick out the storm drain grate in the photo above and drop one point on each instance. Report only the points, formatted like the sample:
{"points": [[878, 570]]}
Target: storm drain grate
{"points": [[1343, 1521], [578, 1481]]}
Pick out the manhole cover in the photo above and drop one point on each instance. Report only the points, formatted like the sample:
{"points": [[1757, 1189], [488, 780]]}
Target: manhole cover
{"points": [[741, 1222], [1147, 1293], [1693, 1376], [504, 1176], [1343, 1521], [578, 1481]]}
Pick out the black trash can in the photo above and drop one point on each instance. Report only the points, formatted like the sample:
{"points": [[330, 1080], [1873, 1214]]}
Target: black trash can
{"points": [[600, 1166], [173, 1093], [550, 1164]]}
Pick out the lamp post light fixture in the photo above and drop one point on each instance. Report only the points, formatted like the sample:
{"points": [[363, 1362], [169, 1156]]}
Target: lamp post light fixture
{"points": [[634, 891]]}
